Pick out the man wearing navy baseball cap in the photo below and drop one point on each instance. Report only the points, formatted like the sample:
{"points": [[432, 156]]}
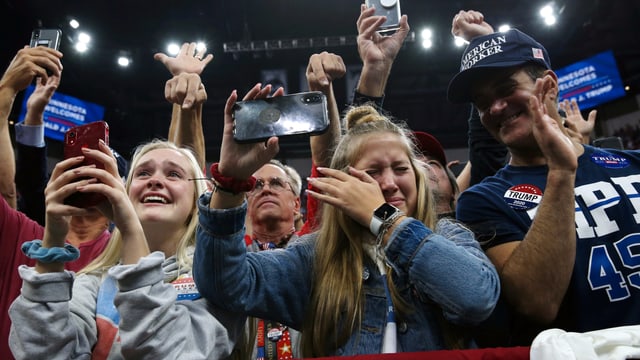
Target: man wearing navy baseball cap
{"points": [[561, 220], [497, 51]]}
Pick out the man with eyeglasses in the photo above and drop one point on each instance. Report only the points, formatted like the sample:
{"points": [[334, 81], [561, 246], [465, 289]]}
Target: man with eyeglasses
{"points": [[273, 206]]}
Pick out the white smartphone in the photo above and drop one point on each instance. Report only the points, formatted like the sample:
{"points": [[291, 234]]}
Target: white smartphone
{"points": [[388, 8]]}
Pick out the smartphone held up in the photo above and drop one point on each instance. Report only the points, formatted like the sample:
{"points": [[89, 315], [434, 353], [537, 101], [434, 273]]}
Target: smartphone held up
{"points": [[46, 37], [77, 138], [282, 116], [388, 8]]}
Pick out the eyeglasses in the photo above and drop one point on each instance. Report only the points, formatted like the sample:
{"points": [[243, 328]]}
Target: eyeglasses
{"points": [[276, 184]]}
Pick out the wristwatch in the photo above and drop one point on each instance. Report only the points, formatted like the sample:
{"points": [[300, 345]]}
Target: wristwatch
{"points": [[380, 215]]}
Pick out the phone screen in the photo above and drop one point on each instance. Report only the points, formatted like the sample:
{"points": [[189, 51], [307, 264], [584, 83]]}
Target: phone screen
{"points": [[296, 114]]}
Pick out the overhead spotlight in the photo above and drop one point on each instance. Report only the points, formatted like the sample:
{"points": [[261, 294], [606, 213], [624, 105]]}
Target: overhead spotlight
{"points": [[84, 38], [201, 46], [504, 28], [548, 14], [459, 41], [81, 47], [627, 88], [427, 38], [74, 23], [546, 11], [550, 20], [123, 61], [173, 49]]}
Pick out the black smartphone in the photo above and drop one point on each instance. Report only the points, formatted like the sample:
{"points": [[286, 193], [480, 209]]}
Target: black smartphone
{"points": [[289, 115], [611, 142], [77, 138], [388, 8], [46, 37]]}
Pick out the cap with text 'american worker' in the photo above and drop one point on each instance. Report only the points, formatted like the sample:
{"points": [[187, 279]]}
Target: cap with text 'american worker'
{"points": [[489, 52]]}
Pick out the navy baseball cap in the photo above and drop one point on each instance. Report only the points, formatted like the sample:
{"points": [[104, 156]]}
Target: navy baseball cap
{"points": [[494, 51]]}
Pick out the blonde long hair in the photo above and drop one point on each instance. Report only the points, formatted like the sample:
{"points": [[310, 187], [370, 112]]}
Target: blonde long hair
{"points": [[111, 254], [337, 298]]}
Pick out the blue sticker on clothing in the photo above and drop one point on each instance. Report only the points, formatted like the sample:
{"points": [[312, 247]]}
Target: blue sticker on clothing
{"points": [[523, 196], [608, 160]]}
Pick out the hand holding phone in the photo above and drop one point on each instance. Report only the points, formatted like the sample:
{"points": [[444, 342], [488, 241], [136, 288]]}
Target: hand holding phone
{"points": [[77, 138], [295, 114]]}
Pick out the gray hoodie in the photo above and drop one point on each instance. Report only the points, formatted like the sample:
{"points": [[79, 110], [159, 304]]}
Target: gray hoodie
{"points": [[48, 322]]}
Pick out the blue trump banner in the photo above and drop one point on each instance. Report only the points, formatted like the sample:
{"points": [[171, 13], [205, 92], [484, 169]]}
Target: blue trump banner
{"points": [[64, 112], [592, 81]]}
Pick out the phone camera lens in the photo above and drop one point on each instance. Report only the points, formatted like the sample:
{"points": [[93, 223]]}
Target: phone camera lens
{"points": [[72, 134], [309, 99]]}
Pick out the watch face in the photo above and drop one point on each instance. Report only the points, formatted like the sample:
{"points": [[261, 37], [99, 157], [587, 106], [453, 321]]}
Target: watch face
{"points": [[385, 211]]}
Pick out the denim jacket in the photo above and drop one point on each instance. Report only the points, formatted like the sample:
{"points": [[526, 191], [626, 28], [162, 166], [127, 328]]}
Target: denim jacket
{"points": [[436, 271]]}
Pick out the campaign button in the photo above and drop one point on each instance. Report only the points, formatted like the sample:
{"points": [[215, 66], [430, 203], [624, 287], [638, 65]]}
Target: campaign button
{"points": [[523, 196], [274, 334]]}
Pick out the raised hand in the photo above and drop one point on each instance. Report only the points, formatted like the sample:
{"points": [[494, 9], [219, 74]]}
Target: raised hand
{"points": [[355, 193], [579, 128], [30, 63], [42, 94], [470, 24], [240, 161], [189, 60], [186, 90], [373, 47], [323, 69], [558, 149]]}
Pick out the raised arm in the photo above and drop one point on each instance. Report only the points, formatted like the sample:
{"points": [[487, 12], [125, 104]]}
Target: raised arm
{"points": [[377, 51], [31, 152], [186, 117], [322, 70], [485, 153], [28, 64], [536, 271]]}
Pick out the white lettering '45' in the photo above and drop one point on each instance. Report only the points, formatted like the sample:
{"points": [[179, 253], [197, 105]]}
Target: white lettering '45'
{"points": [[603, 273]]}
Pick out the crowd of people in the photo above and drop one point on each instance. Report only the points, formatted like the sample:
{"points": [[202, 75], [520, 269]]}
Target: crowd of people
{"points": [[395, 254]]}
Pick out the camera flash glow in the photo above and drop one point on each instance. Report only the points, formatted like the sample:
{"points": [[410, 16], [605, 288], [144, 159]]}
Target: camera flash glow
{"points": [[173, 49], [74, 23]]}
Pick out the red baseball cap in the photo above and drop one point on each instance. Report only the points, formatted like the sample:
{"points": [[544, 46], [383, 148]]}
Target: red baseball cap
{"points": [[430, 146]]}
